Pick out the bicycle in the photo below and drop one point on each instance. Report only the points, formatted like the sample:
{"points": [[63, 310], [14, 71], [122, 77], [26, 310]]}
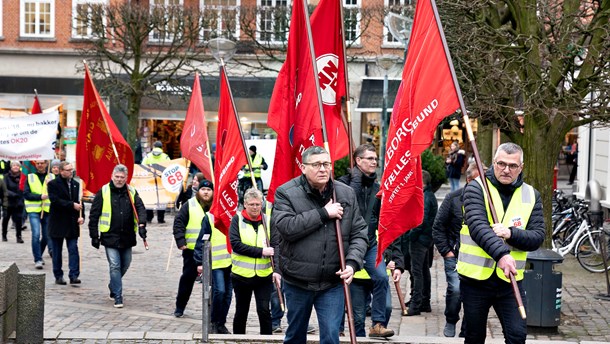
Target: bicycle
{"points": [[589, 251]]}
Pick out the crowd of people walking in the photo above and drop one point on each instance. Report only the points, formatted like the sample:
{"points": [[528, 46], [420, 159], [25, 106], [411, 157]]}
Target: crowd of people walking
{"points": [[288, 251]]}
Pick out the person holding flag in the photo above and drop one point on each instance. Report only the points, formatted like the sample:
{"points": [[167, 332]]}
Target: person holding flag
{"points": [[305, 215], [116, 215]]}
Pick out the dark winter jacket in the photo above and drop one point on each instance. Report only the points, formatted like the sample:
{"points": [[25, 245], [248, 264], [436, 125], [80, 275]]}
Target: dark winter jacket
{"points": [[121, 233], [366, 188], [423, 232], [63, 218], [454, 168], [475, 216], [182, 219], [308, 254], [3, 193], [13, 188], [448, 223]]}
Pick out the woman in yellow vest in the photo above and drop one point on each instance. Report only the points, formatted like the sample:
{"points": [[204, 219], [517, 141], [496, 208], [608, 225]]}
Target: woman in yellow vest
{"points": [[251, 270]]}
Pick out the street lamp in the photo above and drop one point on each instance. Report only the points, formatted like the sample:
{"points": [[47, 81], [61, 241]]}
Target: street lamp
{"points": [[385, 62], [222, 49]]}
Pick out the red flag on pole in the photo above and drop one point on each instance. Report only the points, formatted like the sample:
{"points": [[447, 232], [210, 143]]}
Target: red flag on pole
{"points": [[100, 145], [36, 109], [426, 95], [194, 138], [293, 111], [230, 157]]}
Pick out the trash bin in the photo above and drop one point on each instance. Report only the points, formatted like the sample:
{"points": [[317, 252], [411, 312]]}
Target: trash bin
{"points": [[543, 288]]}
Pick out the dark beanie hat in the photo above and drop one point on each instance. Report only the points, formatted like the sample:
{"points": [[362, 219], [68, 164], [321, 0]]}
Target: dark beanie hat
{"points": [[158, 144], [206, 184], [252, 148]]}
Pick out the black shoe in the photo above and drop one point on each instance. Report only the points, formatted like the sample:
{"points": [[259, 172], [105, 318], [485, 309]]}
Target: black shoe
{"points": [[19, 241], [178, 313], [412, 311], [426, 309], [74, 280], [60, 281], [161, 221], [4, 238], [222, 329], [111, 293]]}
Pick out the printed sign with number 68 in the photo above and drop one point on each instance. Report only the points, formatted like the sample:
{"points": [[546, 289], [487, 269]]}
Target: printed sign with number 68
{"points": [[173, 177]]}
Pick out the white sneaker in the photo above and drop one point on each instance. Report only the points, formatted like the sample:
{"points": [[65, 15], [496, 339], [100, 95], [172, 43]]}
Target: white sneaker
{"points": [[39, 265]]}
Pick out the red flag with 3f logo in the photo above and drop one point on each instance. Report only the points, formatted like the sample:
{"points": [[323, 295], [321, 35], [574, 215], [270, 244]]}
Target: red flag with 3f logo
{"points": [[194, 138], [293, 112]]}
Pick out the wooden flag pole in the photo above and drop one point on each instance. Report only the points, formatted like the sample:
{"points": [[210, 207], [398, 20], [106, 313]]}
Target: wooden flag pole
{"points": [[346, 291], [475, 150]]}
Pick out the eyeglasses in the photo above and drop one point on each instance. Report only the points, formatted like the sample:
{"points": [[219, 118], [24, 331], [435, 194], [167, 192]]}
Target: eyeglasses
{"points": [[318, 165], [370, 158], [502, 165]]}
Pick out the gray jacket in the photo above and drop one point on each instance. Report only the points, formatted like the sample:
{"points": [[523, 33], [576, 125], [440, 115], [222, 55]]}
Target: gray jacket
{"points": [[308, 254]]}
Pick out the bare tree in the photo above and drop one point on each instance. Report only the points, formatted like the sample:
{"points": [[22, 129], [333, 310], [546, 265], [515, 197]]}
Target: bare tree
{"points": [[137, 52], [548, 60]]}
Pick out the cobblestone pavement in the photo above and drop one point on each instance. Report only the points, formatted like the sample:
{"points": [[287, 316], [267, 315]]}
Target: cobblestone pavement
{"points": [[84, 313]]}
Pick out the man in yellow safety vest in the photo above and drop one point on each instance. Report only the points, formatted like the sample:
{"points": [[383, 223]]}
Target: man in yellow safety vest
{"points": [[37, 204]]}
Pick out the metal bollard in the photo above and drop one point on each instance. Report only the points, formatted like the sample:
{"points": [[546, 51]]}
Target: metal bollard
{"points": [[206, 288], [30, 307]]}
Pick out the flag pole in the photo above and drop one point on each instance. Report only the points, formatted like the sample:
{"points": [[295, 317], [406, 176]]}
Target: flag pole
{"points": [[346, 291], [473, 144], [249, 160], [348, 107]]}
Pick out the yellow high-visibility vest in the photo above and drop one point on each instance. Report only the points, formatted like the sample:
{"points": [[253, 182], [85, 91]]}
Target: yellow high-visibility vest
{"points": [[104, 222], [221, 258], [475, 263], [247, 266], [36, 187], [193, 227], [257, 162]]}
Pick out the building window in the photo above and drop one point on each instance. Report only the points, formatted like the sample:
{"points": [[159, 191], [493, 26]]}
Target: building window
{"points": [[401, 7], [1, 15], [352, 16], [169, 9], [85, 22], [37, 18], [273, 20], [220, 19]]}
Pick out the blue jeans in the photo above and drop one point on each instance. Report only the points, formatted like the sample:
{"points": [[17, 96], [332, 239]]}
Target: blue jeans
{"points": [[39, 226], [222, 291], [119, 260], [452, 297], [361, 297], [329, 305], [73, 257], [478, 300], [381, 286], [454, 183]]}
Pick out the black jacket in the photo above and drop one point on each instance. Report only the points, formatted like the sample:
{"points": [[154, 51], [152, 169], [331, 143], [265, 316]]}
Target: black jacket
{"points": [[475, 216], [15, 194], [3, 194], [180, 222], [366, 188], [454, 168], [63, 218], [121, 233], [308, 254], [448, 223], [423, 232]]}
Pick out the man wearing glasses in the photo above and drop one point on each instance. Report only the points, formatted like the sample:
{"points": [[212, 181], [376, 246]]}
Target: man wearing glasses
{"points": [[490, 252], [304, 214]]}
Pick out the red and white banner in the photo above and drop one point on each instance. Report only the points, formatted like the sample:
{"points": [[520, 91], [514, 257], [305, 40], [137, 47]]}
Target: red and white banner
{"points": [[230, 157], [29, 137], [426, 95]]}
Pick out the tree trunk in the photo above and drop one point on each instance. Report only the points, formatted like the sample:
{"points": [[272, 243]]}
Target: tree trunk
{"points": [[541, 145], [133, 112]]}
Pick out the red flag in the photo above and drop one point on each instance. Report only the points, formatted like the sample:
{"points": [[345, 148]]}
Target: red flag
{"points": [[230, 157], [36, 109], [97, 133], [194, 138], [293, 111], [426, 95]]}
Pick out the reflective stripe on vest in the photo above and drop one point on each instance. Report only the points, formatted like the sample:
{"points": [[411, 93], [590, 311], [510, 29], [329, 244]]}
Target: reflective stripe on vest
{"points": [[475, 263], [257, 162], [221, 258], [193, 227], [104, 222], [38, 188], [247, 266]]}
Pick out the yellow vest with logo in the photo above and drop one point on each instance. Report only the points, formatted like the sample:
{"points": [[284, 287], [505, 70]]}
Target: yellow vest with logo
{"points": [[247, 266], [36, 187], [221, 258], [104, 224], [475, 263], [193, 227], [257, 162]]}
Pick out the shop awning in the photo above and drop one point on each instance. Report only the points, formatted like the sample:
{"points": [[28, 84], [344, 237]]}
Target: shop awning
{"points": [[371, 94]]}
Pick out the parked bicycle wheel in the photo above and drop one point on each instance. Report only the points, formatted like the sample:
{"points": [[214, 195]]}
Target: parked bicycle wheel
{"points": [[589, 252]]}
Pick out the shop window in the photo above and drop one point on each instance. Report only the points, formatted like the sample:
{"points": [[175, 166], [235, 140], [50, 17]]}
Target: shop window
{"points": [[37, 18], [165, 9], [352, 16], [84, 22], [273, 19]]}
